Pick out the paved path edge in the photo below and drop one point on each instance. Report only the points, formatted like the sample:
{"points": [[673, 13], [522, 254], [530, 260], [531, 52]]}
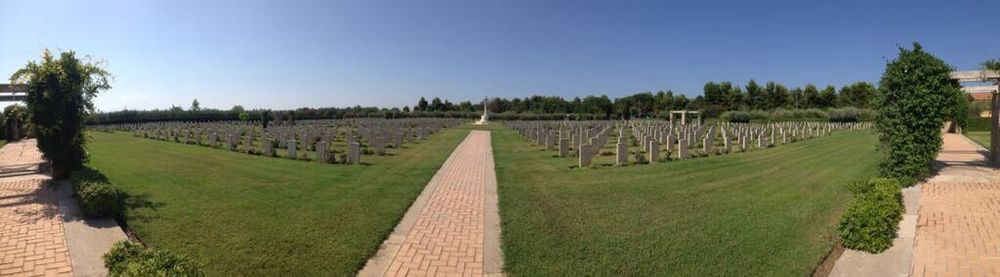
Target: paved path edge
{"points": [[895, 261], [378, 264], [87, 239], [492, 252]]}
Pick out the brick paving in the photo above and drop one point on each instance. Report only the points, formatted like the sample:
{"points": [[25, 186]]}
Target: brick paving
{"points": [[959, 216], [32, 240], [448, 234]]}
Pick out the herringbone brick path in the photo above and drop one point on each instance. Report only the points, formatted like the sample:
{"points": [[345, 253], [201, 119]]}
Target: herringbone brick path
{"points": [[959, 230], [445, 231], [32, 240], [958, 225]]}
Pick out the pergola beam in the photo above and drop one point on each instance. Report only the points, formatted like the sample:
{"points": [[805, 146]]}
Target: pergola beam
{"points": [[975, 76], [13, 93], [980, 89]]}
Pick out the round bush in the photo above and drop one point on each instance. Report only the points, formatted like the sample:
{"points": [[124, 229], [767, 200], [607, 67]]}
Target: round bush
{"points": [[872, 217], [131, 259], [100, 200]]}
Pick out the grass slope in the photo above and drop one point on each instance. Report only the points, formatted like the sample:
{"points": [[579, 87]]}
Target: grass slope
{"points": [[765, 213], [256, 216], [981, 137]]}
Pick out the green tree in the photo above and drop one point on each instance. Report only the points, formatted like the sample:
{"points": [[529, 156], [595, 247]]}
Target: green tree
{"points": [[680, 102], [20, 113], [60, 94], [827, 97], [915, 94], [858, 95], [421, 105], [265, 118], [811, 95], [775, 96], [796, 99], [992, 65], [753, 96], [195, 106], [436, 105]]}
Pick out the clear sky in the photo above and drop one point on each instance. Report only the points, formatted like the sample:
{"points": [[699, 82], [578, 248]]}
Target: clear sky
{"points": [[287, 54]]}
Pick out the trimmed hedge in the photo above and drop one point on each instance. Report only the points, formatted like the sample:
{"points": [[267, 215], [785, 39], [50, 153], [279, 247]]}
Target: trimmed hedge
{"points": [[96, 195], [100, 200], [975, 124], [872, 217], [846, 114], [131, 259]]}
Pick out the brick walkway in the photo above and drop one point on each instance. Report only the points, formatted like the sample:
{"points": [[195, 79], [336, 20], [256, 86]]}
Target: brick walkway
{"points": [[959, 217], [452, 228], [32, 241]]}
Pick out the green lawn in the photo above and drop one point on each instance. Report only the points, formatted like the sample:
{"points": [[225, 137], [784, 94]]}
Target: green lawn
{"points": [[243, 215], [981, 137], [765, 213]]}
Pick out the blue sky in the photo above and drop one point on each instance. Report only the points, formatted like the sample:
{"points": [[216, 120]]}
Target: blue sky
{"points": [[287, 54]]}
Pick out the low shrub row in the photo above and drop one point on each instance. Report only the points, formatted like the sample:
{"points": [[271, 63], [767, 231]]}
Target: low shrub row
{"points": [[978, 124], [847, 114], [96, 195], [872, 217], [132, 259]]}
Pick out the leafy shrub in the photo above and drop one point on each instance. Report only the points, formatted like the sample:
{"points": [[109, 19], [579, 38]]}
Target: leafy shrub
{"points": [[60, 95], [100, 199], [848, 114], [915, 95], [131, 259], [736, 116], [981, 124], [85, 176], [872, 217], [640, 158]]}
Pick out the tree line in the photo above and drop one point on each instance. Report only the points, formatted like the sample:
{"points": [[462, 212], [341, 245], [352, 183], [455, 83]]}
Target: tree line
{"points": [[716, 98]]}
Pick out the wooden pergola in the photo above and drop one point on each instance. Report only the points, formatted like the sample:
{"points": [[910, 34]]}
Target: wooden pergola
{"points": [[684, 115], [12, 93], [992, 80]]}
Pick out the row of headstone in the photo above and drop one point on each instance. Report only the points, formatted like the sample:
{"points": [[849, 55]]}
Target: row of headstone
{"points": [[298, 140], [654, 137]]}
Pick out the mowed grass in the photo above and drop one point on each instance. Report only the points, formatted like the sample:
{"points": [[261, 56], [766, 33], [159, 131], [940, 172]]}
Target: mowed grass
{"points": [[243, 215], [769, 212], [980, 137]]}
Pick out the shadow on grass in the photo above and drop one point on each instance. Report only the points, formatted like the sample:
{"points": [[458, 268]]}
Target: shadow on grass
{"points": [[131, 203]]}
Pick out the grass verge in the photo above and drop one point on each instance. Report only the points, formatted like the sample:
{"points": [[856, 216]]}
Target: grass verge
{"points": [[771, 212], [246, 215]]}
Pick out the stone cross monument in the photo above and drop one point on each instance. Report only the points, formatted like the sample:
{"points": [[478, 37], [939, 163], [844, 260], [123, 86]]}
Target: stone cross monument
{"points": [[485, 119]]}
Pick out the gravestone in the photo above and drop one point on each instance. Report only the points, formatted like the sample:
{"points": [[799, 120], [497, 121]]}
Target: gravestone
{"points": [[621, 153], [585, 157], [291, 149], [354, 153], [269, 147], [682, 149], [727, 144], [563, 148], [322, 155], [654, 151]]}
